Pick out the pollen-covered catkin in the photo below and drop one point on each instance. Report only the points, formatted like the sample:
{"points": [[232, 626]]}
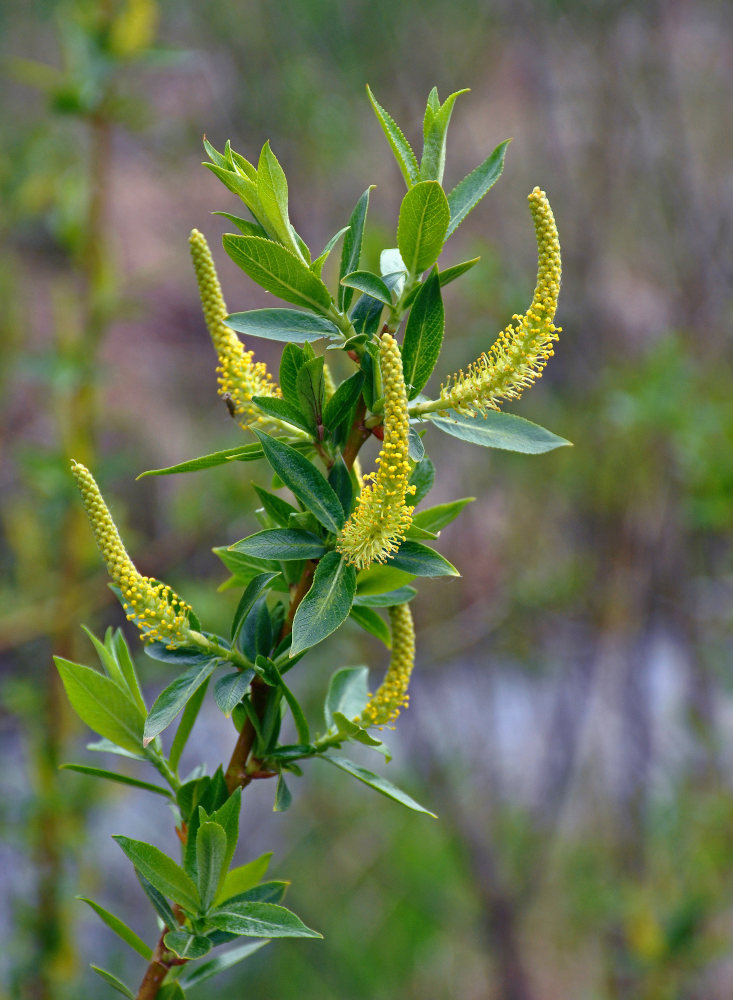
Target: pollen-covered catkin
{"points": [[381, 518], [384, 706], [159, 613], [240, 377], [522, 350]]}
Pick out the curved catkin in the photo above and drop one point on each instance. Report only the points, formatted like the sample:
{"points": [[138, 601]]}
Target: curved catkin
{"points": [[159, 613], [522, 350], [384, 706], [240, 377], [381, 518]]}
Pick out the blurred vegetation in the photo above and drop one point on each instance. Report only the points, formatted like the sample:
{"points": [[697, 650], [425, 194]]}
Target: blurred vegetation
{"points": [[585, 844]]}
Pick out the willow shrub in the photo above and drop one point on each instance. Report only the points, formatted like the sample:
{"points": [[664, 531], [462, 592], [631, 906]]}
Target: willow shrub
{"points": [[340, 544]]}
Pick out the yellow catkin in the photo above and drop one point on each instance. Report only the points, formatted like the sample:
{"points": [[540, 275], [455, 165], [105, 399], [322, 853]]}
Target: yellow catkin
{"points": [[522, 350], [378, 525], [240, 377], [384, 706], [159, 613]]}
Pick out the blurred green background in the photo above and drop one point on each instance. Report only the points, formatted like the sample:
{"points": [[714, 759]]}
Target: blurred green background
{"points": [[572, 711]]}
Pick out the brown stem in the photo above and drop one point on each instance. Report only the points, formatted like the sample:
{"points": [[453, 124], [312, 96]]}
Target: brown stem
{"points": [[155, 972], [357, 436]]}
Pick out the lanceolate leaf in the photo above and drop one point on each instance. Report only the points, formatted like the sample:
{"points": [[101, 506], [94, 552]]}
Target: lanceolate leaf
{"points": [[195, 974], [121, 929], [272, 189], [423, 222], [401, 148], [373, 623], [187, 945], [172, 699], [114, 982], [310, 389], [469, 192], [348, 693], [276, 508], [190, 714], [252, 591], [281, 543], [317, 265], [327, 603], [260, 920], [423, 335], [122, 779], [435, 128], [413, 557], [229, 690], [376, 782], [211, 849], [279, 271], [244, 453], [102, 704], [282, 324], [339, 406], [437, 517], [292, 360], [501, 430], [283, 409], [162, 872], [399, 596], [240, 879], [351, 252], [371, 284], [305, 481]]}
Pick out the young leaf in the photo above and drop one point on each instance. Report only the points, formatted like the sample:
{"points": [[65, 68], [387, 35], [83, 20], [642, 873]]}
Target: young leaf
{"points": [[327, 603], [423, 222], [255, 637], [102, 705], [245, 227], [379, 579], [227, 816], [193, 975], [171, 700], [422, 478], [351, 251], [122, 779], [187, 945], [283, 795], [406, 159], [415, 447], [301, 725], [399, 596], [275, 507], [240, 879], [272, 190], [418, 559], [244, 453], [369, 284], [317, 265], [348, 693], [372, 623], [181, 656], [162, 872], [423, 335], [281, 544], [109, 663], [376, 782], [338, 409], [190, 714], [437, 517], [435, 128], [260, 920], [501, 430], [113, 981], [120, 929], [211, 849], [159, 902], [121, 653], [340, 479], [279, 271], [468, 193], [282, 324], [283, 409], [310, 389], [245, 568], [305, 481], [293, 358], [229, 690]]}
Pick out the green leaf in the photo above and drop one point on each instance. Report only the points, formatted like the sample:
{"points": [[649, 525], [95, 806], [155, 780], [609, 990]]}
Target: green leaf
{"points": [[229, 690], [114, 982], [255, 637], [282, 324], [245, 568], [420, 560], [245, 227], [392, 597], [301, 725], [415, 447], [406, 159], [211, 846], [317, 265], [338, 409], [243, 187], [260, 920], [276, 508], [190, 714], [247, 601], [327, 603], [171, 700], [272, 189], [187, 945], [244, 453], [372, 623], [109, 663], [227, 816], [422, 478], [159, 902], [379, 579], [501, 430], [355, 732], [305, 481], [468, 193], [437, 517], [423, 221], [279, 271], [121, 653], [370, 284], [340, 479], [192, 976], [351, 251], [376, 782], [181, 656], [240, 879], [348, 693], [281, 544], [102, 704], [435, 128], [162, 872], [171, 991], [122, 779], [310, 388], [120, 929], [283, 795], [292, 360], [283, 409], [423, 335]]}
